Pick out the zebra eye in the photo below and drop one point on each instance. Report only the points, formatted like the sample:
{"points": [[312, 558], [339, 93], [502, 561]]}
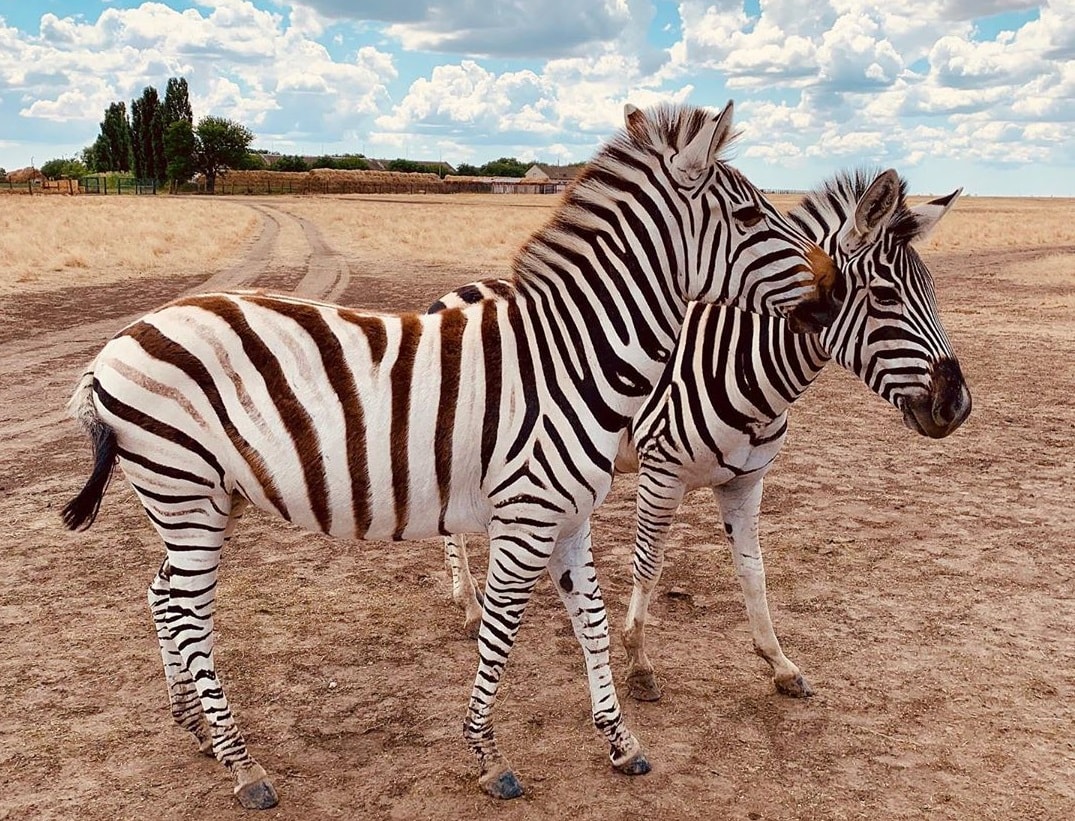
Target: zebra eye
{"points": [[749, 216], [885, 295]]}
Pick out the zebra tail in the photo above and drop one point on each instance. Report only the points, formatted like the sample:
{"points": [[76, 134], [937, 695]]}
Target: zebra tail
{"points": [[79, 513]]}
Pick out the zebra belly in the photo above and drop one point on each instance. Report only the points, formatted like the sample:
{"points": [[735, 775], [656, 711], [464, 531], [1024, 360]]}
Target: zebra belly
{"points": [[722, 455], [215, 428]]}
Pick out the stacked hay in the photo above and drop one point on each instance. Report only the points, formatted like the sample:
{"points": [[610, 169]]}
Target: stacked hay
{"points": [[461, 184], [328, 181], [24, 175]]}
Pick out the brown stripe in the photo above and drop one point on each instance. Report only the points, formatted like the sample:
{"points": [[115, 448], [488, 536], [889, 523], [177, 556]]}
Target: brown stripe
{"points": [[452, 325], [373, 328], [340, 377], [402, 372], [491, 348], [296, 419], [164, 349]]}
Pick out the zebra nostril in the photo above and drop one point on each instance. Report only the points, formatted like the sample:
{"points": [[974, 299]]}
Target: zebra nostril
{"points": [[951, 397]]}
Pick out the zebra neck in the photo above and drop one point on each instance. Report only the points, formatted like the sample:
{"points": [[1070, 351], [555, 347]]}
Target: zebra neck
{"points": [[605, 353], [805, 355]]}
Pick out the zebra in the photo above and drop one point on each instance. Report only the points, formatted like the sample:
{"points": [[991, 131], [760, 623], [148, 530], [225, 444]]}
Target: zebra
{"points": [[501, 418], [718, 417]]}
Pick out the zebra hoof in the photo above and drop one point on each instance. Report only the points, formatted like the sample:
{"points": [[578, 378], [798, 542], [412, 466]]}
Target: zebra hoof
{"points": [[794, 686], [257, 795], [635, 765], [642, 686], [504, 786], [470, 628]]}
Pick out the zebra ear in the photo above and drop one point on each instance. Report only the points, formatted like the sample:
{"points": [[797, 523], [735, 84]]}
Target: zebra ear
{"points": [[928, 214], [634, 120], [877, 205], [694, 159]]}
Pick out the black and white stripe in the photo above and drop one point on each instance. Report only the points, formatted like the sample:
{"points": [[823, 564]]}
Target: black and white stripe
{"points": [[718, 417], [500, 417]]}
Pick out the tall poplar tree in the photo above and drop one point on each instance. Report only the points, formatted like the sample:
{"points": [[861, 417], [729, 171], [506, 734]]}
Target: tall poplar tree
{"points": [[178, 127], [112, 150], [147, 127]]}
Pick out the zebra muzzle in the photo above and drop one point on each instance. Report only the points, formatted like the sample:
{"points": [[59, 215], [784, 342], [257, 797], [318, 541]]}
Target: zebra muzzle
{"points": [[939, 411]]}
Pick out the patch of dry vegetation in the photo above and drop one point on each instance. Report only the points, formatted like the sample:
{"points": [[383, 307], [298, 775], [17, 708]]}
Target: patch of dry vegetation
{"points": [[59, 242], [479, 231], [992, 223]]}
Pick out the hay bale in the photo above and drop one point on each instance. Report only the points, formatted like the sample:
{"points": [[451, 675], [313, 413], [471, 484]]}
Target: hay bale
{"points": [[329, 181], [24, 175]]}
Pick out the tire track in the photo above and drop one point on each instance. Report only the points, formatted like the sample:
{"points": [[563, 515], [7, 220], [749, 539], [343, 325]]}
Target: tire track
{"points": [[38, 372]]}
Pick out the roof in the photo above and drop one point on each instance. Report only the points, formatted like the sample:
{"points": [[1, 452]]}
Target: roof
{"points": [[541, 171]]}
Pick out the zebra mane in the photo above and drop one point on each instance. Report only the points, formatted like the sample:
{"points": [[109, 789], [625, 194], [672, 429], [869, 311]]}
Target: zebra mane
{"points": [[823, 211], [664, 125]]}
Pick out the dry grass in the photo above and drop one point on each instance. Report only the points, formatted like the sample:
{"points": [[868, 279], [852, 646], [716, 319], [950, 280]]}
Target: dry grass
{"points": [[992, 223], [479, 231], [58, 242]]}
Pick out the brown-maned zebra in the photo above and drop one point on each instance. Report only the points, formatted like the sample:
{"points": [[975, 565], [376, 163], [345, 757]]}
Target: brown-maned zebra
{"points": [[718, 417], [501, 418]]}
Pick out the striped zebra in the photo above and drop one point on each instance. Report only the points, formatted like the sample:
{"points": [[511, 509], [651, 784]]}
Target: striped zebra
{"points": [[718, 416], [501, 418]]}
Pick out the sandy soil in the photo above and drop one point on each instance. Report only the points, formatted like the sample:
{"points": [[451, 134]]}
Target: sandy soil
{"points": [[925, 588]]}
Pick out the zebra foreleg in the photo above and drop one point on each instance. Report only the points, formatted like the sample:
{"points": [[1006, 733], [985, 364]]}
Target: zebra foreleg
{"points": [[572, 571], [183, 600], [740, 505], [659, 495], [465, 591]]}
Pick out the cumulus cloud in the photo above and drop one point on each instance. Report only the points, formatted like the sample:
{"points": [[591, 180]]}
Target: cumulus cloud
{"points": [[833, 81], [523, 28]]}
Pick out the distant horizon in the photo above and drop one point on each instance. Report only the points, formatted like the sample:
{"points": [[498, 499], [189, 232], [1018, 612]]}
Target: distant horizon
{"points": [[978, 94]]}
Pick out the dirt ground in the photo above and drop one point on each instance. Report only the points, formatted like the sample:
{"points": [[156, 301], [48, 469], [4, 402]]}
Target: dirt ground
{"points": [[925, 588]]}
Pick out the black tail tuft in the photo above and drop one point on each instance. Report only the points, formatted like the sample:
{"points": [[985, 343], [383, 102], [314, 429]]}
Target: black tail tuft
{"points": [[79, 513]]}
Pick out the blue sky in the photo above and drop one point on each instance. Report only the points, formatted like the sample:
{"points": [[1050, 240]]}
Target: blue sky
{"points": [[971, 93]]}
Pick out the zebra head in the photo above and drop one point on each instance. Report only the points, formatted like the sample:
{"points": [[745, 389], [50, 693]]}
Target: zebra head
{"points": [[727, 244], [889, 331]]}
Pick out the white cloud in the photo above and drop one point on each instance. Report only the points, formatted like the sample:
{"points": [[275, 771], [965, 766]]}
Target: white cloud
{"points": [[815, 84]]}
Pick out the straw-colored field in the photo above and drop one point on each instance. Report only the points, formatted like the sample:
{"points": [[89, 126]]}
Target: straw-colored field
{"points": [[50, 242], [924, 587]]}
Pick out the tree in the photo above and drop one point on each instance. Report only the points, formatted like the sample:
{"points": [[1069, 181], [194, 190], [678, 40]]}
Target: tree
{"points": [[352, 162], [89, 157], [412, 166], [505, 167], [467, 170], [222, 144], [112, 150], [252, 161], [290, 162], [177, 102], [180, 146], [62, 167], [177, 120], [147, 131], [324, 162], [52, 169]]}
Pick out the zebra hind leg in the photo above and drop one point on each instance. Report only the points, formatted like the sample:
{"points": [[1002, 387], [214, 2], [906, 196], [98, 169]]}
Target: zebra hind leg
{"points": [[740, 505], [465, 592], [509, 585], [572, 570], [182, 695], [182, 599]]}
